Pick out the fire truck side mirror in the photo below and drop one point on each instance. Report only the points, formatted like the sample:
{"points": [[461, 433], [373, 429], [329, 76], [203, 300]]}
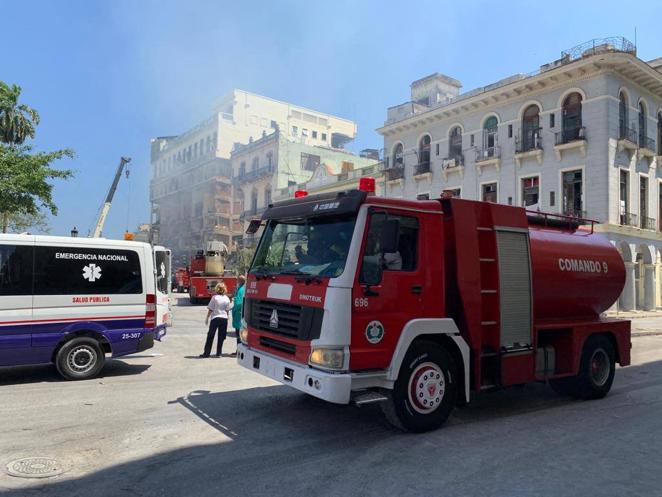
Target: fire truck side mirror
{"points": [[390, 236]]}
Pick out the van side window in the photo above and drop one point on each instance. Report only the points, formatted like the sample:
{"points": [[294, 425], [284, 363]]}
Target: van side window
{"points": [[86, 271], [162, 270], [15, 270], [404, 259]]}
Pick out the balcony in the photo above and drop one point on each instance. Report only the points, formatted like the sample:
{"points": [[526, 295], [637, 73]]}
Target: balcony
{"points": [[570, 137], [488, 156], [529, 145], [422, 170], [249, 176], [451, 165], [646, 147], [395, 172], [628, 219], [647, 223]]}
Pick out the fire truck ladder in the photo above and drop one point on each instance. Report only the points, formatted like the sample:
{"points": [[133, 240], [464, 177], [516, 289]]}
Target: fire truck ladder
{"points": [[490, 357]]}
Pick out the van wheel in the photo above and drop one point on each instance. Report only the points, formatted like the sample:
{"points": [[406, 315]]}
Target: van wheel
{"points": [[596, 371], [425, 392], [80, 359]]}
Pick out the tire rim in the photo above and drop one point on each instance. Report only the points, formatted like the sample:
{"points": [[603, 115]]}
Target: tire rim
{"points": [[600, 367], [82, 359], [427, 386]]}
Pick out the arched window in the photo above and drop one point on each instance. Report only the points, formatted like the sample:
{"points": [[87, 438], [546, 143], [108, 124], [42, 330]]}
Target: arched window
{"points": [[642, 125], [398, 159], [622, 115], [659, 135], [490, 129], [530, 128], [254, 201], [242, 170], [270, 157], [424, 152], [455, 143], [255, 164], [572, 118]]}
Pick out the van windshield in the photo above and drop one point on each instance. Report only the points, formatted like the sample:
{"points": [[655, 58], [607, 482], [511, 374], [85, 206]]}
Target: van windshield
{"points": [[314, 246]]}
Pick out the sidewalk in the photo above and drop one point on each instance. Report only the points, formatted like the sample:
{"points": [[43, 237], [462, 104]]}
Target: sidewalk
{"points": [[634, 314]]}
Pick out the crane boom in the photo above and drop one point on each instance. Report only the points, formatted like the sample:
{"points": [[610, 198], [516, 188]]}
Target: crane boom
{"points": [[109, 198]]}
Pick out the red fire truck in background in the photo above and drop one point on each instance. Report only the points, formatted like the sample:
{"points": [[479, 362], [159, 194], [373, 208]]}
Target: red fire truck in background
{"points": [[182, 279], [416, 304], [207, 269]]}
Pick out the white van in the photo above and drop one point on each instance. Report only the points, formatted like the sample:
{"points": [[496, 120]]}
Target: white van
{"points": [[71, 301]]}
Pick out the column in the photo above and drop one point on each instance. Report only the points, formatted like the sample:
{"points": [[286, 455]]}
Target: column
{"points": [[628, 295], [649, 287]]}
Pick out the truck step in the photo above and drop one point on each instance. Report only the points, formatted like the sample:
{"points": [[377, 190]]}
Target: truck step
{"points": [[368, 397]]}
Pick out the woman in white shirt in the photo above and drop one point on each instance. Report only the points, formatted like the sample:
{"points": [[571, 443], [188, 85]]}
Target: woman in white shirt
{"points": [[218, 308]]}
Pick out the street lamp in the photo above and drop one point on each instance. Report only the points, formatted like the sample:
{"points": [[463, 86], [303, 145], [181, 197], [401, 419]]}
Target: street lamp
{"points": [[74, 232]]}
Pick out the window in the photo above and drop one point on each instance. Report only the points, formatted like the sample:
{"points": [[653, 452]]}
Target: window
{"points": [[304, 132], [16, 270], [315, 134], [162, 270], [552, 198], [323, 137], [437, 149], [643, 132], [659, 133], [404, 259], [267, 196], [423, 196], [424, 151], [490, 129], [489, 192], [530, 128], [309, 162], [254, 201], [455, 143], [255, 164], [572, 193], [270, 157], [572, 117], [510, 131], [530, 191], [622, 115], [624, 197], [86, 271], [398, 160], [295, 131], [643, 202], [453, 192], [471, 140], [510, 200], [552, 120]]}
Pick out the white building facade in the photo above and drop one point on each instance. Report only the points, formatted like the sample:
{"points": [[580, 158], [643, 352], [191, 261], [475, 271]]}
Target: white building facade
{"points": [[580, 137]]}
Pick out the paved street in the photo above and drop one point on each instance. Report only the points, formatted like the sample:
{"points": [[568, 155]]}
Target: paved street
{"points": [[165, 423]]}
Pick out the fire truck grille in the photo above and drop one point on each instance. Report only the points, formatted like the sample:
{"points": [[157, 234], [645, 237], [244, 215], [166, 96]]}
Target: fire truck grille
{"points": [[293, 321]]}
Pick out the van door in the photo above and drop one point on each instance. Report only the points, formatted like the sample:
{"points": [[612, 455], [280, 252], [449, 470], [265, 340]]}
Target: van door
{"points": [[16, 261], [389, 288], [163, 285]]}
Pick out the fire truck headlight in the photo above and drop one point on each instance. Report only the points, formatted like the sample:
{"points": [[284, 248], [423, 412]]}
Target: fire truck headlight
{"points": [[327, 358]]}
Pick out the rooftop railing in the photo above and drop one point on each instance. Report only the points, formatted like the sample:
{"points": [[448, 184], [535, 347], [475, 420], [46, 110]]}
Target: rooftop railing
{"points": [[599, 46]]}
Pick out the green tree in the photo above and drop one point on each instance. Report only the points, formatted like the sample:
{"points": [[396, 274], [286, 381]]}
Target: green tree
{"points": [[17, 121], [18, 223], [24, 175], [243, 260]]}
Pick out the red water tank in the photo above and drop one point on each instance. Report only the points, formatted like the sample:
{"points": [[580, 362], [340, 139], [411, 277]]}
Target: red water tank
{"points": [[575, 274]]}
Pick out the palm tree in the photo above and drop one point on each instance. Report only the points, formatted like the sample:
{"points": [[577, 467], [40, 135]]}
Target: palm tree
{"points": [[17, 121]]}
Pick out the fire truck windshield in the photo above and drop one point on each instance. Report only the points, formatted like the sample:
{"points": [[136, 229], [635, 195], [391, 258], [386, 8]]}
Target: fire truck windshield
{"points": [[314, 246]]}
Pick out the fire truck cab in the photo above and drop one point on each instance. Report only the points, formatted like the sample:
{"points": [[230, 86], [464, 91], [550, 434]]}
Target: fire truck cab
{"points": [[415, 304]]}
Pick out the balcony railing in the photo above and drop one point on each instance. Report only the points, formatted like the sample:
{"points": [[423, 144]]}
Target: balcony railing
{"points": [[488, 153], [570, 134], [646, 142], [630, 134], [530, 139], [422, 168], [451, 162], [628, 219], [394, 172], [247, 176], [647, 223], [599, 46]]}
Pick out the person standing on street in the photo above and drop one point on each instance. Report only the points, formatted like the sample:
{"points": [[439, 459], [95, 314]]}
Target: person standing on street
{"points": [[238, 306], [218, 313]]}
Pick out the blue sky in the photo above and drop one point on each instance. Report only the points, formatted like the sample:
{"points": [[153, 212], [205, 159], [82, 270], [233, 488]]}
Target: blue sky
{"points": [[107, 76]]}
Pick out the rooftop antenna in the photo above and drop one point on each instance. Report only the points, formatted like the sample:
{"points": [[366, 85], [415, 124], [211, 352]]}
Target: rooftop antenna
{"points": [[635, 39]]}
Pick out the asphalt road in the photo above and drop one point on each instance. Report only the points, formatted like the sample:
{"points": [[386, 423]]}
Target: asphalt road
{"points": [[165, 423]]}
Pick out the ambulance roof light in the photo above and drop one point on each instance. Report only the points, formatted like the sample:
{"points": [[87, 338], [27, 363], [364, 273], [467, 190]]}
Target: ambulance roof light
{"points": [[367, 184], [300, 194]]}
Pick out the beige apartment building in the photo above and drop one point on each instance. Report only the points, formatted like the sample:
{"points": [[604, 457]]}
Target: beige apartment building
{"points": [[191, 186]]}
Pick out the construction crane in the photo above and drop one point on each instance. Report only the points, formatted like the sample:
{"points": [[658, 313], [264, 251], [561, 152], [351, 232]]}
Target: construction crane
{"points": [[109, 198]]}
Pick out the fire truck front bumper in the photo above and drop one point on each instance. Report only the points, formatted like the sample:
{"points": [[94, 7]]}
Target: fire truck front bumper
{"points": [[332, 387]]}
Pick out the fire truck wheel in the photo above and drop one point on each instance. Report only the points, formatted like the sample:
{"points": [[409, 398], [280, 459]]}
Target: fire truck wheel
{"points": [[80, 359], [596, 371], [425, 392]]}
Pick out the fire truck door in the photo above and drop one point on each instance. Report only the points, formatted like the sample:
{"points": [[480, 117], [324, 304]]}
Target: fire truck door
{"points": [[389, 290]]}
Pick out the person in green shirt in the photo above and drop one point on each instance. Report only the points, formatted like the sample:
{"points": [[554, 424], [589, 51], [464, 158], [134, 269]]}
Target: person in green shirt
{"points": [[238, 306]]}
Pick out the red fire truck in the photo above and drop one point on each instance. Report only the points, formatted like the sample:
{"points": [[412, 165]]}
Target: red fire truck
{"points": [[207, 269], [416, 304], [182, 279]]}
